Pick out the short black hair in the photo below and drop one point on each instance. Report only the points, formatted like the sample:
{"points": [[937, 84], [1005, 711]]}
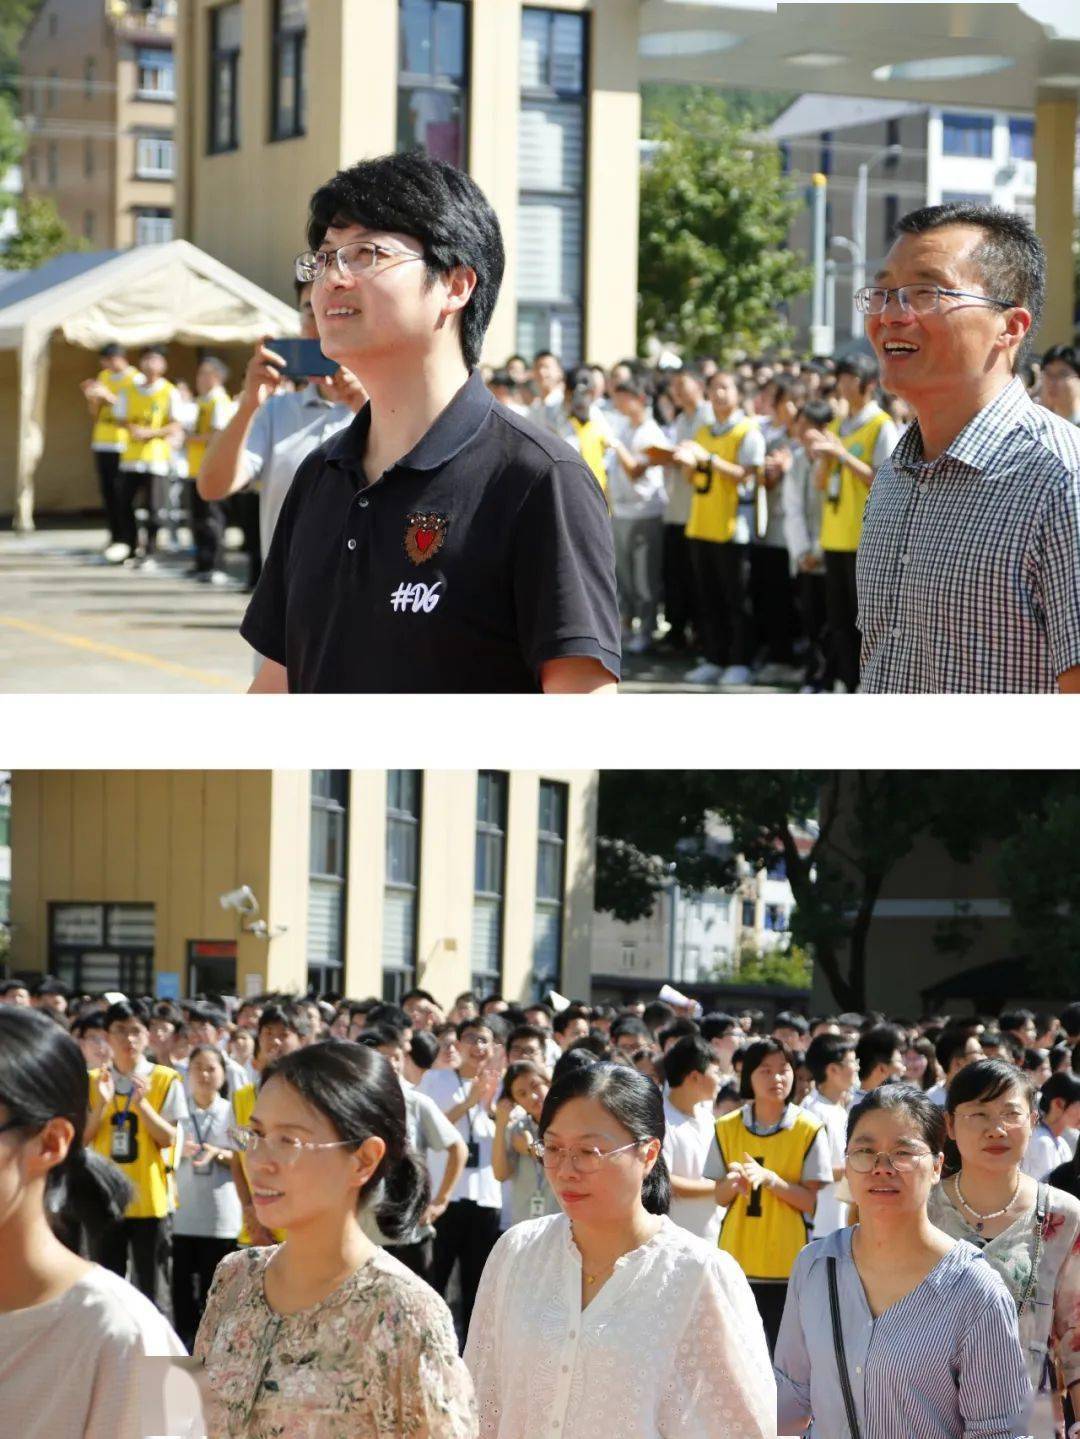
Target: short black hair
{"points": [[630, 1024], [951, 1042], [657, 1014], [567, 1015], [1065, 355], [818, 413], [1015, 1018], [863, 367], [51, 985], [391, 1014], [1011, 259], [154, 350], [1070, 1019], [689, 1055], [418, 994], [877, 1046], [987, 1079], [293, 1016], [1064, 1085], [377, 1035], [823, 1050], [913, 1102], [754, 1055], [717, 1025], [527, 1031], [677, 1029], [127, 1009], [413, 193], [786, 1019]]}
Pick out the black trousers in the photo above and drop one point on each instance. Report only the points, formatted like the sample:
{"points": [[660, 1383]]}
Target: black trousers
{"points": [[133, 488], [208, 529], [194, 1259], [842, 608], [465, 1231], [243, 512], [810, 585], [770, 1298], [772, 602], [419, 1257], [107, 463], [147, 1242], [678, 582], [720, 582]]}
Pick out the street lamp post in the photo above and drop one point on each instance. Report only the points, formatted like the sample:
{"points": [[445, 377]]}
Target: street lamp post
{"points": [[862, 186], [858, 261]]}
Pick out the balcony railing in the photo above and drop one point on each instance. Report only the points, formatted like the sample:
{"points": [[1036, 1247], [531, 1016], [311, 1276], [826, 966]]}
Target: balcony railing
{"points": [[136, 19]]}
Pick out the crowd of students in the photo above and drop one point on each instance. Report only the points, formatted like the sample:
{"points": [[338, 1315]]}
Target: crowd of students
{"points": [[328, 1202]]}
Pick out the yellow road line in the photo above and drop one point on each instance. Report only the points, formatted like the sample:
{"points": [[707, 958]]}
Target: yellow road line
{"points": [[114, 652]]}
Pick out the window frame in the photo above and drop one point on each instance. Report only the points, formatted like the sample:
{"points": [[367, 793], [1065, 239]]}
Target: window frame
{"points": [[154, 96], [980, 124], [399, 978], [218, 56], [480, 979], [144, 173], [543, 982], [154, 212], [297, 41], [334, 802], [412, 80]]}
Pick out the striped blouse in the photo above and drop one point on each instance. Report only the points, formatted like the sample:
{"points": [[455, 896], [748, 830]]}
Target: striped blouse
{"points": [[944, 1362]]}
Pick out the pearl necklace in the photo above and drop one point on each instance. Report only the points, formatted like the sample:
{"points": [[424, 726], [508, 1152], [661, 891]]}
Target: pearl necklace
{"points": [[980, 1219]]}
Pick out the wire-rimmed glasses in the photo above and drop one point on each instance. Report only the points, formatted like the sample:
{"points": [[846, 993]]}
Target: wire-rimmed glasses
{"points": [[357, 258], [916, 299]]}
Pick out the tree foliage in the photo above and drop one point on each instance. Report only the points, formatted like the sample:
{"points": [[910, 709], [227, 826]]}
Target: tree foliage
{"points": [[714, 270], [861, 825], [664, 102], [14, 17], [40, 235]]}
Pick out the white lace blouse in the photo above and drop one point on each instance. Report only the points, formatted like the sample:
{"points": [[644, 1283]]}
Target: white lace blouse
{"points": [[671, 1347]]}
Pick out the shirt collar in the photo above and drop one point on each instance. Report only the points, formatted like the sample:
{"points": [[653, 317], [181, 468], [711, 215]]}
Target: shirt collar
{"points": [[978, 441], [447, 437], [786, 1121], [731, 421]]}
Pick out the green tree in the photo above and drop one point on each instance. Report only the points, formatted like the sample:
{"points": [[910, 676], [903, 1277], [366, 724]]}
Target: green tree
{"points": [[663, 102], [714, 273], [40, 235], [14, 17], [1041, 880], [841, 834], [790, 966]]}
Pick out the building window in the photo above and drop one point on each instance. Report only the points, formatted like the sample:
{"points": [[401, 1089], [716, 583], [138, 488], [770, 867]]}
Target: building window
{"points": [[892, 137], [153, 226], [825, 157], [50, 90], [1021, 137], [327, 872], [402, 881], [288, 103], [89, 76], [88, 157], [776, 918], [88, 224], [552, 142], [892, 217], [433, 79], [154, 157], [52, 163], [550, 887], [748, 914], [965, 197], [487, 925], [970, 136], [95, 947], [156, 74], [226, 29]]}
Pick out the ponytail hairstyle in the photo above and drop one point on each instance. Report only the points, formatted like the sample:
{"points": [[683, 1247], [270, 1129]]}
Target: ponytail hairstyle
{"points": [[356, 1088], [633, 1101], [43, 1077]]}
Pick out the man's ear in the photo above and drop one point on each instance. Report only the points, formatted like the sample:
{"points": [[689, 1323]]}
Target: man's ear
{"points": [[460, 283]]}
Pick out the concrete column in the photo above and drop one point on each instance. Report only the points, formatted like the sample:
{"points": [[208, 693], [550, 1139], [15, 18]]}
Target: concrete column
{"points": [[1055, 207]]}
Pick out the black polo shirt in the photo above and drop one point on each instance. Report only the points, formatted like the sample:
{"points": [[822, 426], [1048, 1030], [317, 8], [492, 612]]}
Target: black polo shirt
{"points": [[482, 554]]}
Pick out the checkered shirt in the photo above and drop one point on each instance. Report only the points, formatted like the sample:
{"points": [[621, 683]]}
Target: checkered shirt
{"points": [[969, 565]]}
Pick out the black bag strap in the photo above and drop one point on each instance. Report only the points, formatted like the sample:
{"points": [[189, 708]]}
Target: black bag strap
{"points": [[838, 1345]]}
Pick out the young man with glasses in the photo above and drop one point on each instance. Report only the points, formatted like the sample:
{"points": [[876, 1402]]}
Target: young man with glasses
{"points": [[969, 565], [1060, 387], [440, 543]]}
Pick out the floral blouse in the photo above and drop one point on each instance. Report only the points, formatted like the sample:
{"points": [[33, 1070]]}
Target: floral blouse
{"points": [[1052, 1316], [376, 1359]]}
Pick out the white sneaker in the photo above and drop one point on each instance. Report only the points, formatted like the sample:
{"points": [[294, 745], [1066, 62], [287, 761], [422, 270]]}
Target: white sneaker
{"points": [[117, 552], [705, 673], [218, 578], [165, 543], [735, 675], [147, 564]]}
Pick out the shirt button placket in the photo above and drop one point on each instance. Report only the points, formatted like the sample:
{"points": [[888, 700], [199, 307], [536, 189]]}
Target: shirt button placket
{"points": [[362, 503]]}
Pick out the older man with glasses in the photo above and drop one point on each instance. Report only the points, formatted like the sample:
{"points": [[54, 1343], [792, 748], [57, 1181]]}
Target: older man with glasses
{"points": [[969, 562]]}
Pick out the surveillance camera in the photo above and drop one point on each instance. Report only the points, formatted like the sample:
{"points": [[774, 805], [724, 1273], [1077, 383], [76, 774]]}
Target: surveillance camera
{"points": [[242, 900]]}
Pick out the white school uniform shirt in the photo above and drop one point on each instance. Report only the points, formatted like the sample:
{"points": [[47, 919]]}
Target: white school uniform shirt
{"points": [[1045, 1153], [687, 1138], [671, 1347], [647, 498], [830, 1212], [447, 1088]]}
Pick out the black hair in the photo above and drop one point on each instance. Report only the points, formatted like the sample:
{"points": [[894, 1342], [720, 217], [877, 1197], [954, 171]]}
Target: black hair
{"points": [[212, 1049], [1015, 1018], [517, 1069], [51, 985], [951, 1042], [413, 193], [717, 1025], [526, 1031], [630, 1024], [641, 388], [391, 1014], [1066, 355], [43, 1077], [605, 1011], [376, 1035], [210, 1014], [633, 1101], [107, 352], [423, 1049], [907, 1099], [80, 1027], [564, 1018], [596, 1042], [126, 1009], [291, 1015], [863, 367], [539, 1004], [877, 1045], [752, 1058], [357, 1090], [987, 1079], [823, 1050], [418, 994], [155, 350], [1011, 258], [571, 1060], [689, 1055], [480, 1021], [818, 413], [677, 1029], [786, 1019], [168, 1011], [8, 985], [1063, 1085], [657, 1014]]}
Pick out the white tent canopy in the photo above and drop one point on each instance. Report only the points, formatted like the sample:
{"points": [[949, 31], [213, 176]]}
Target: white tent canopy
{"points": [[153, 294]]}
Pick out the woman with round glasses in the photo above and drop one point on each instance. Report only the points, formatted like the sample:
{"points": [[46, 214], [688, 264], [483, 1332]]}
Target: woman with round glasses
{"points": [[608, 1318], [1028, 1231], [327, 1336], [893, 1327]]}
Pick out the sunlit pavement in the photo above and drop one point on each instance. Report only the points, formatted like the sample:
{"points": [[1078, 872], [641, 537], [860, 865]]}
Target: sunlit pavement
{"points": [[70, 623]]}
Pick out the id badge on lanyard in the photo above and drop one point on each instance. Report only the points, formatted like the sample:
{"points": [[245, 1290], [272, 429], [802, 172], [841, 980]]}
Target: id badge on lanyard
{"points": [[204, 1171], [536, 1200], [124, 1141]]}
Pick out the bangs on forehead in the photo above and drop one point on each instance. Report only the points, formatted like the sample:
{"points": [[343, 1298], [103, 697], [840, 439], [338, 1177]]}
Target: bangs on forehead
{"points": [[1000, 1085]]}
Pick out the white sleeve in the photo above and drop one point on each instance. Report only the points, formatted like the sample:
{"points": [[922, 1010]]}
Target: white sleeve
{"points": [[752, 449], [259, 443], [128, 1393], [483, 1348], [224, 409], [722, 1384], [796, 532], [176, 406], [888, 437], [120, 405], [175, 1107]]}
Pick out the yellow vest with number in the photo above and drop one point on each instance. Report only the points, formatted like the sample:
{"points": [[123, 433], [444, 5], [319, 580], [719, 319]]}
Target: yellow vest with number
{"points": [[106, 432], [204, 428], [149, 1171], [842, 516], [243, 1104], [714, 507], [591, 444], [763, 1233], [153, 411]]}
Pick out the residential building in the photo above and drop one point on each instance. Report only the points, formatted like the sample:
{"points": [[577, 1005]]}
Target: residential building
{"points": [[99, 110], [356, 882], [917, 154], [539, 103]]}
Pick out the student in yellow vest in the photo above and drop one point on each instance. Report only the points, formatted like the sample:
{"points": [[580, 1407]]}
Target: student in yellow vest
{"points": [[150, 407], [848, 454], [769, 1159], [135, 1111], [282, 1029], [108, 441], [213, 411], [579, 422], [720, 461]]}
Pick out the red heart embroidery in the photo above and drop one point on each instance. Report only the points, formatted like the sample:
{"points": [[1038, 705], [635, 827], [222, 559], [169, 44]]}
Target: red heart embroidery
{"points": [[424, 539]]}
